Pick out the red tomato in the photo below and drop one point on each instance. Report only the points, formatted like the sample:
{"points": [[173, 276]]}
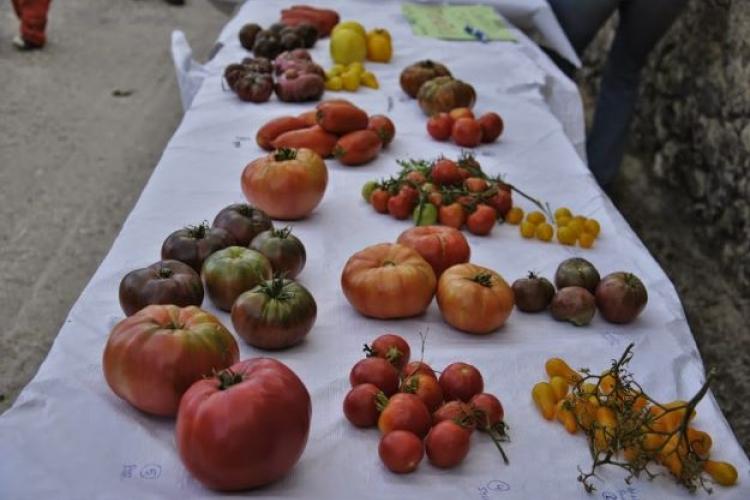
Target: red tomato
{"points": [[465, 173], [445, 172], [435, 198], [461, 381], [452, 215], [155, 355], [456, 411], [379, 199], [416, 177], [360, 405], [399, 206], [482, 220], [441, 246], [383, 126], [410, 193], [426, 388], [475, 184], [401, 451], [439, 126], [487, 410], [405, 412], [447, 444], [466, 132], [457, 113], [392, 348], [502, 201], [415, 367], [468, 201], [376, 371], [492, 126], [244, 427]]}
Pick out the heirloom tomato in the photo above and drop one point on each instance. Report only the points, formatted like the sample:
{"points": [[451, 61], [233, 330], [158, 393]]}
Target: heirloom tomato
{"points": [[376, 371], [154, 356], [474, 299], [244, 427], [441, 246], [388, 281], [164, 282], [285, 251], [231, 271], [243, 222], [286, 184], [390, 347], [193, 244]]}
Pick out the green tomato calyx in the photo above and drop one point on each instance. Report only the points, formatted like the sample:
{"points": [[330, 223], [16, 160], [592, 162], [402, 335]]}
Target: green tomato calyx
{"points": [[285, 154], [227, 378]]}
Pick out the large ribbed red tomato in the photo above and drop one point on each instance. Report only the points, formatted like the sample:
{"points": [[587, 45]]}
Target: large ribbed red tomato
{"points": [[441, 246], [154, 356], [244, 427]]}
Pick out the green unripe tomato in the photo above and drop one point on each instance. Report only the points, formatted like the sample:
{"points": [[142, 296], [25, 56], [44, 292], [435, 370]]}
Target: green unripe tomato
{"points": [[425, 215], [367, 190]]}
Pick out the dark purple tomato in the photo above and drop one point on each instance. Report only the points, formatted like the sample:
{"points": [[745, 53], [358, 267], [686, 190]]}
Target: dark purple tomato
{"points": [[621, 297], [193, 244], [244, 222], [533, 293], [285, 251], [574, 304], [163, 282], [577, 271]]}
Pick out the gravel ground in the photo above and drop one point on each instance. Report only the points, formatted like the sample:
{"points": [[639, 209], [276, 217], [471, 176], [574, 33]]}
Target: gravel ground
{"points": [[73, 159]]}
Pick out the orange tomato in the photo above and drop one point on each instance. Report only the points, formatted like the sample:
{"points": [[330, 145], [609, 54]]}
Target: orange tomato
{"points": [[388, 281], [441, 246], [474, 299]]}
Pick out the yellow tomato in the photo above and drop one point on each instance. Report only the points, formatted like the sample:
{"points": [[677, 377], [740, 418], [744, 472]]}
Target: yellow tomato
{"points": [[350, 81], [586, 240], [563, 212], [379, 48], [514, 215], [347, 46], [536, 217], [369, 80], [566, 236], [527, 229], [544, 231], [350, 25], [334, 83], [592, 227]]}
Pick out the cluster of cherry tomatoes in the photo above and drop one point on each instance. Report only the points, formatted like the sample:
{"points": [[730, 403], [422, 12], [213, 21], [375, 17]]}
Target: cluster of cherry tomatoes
{"points": [[464, 129], [570, 228], [417, 412], [451, 193]]}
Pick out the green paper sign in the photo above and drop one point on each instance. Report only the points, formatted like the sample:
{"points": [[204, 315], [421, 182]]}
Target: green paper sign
{"points": [[457, 22]]}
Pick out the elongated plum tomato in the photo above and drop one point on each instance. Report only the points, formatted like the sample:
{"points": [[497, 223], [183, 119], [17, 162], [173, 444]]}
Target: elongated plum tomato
{"points": [[474, 299], [405, 412], [488, 411], [441, 246], [401, 451], [231, 271], [287, 184], [461, 381], [154, 356], [456, 411], [388, 281], [244, 427], [390, 347], [360, 405], [243, 222], [164, 282], [447, 444], [285, 251], [376, 371], [425, 388]]}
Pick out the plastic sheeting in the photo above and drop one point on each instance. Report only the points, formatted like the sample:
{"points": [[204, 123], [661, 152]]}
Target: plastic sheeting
{"points": [[69, 436]]}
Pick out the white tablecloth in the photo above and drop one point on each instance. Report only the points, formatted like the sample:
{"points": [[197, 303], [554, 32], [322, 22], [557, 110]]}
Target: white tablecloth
{"points": [[69, 436]]}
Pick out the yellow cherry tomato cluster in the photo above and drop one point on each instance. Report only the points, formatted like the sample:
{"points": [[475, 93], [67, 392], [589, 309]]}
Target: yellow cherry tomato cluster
{"points": [[623, 423], [570, 228], [350, 77]]}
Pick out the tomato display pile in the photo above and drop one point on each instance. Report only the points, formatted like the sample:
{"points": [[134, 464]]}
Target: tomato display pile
{"points": [[335, 128], [418, 412]]}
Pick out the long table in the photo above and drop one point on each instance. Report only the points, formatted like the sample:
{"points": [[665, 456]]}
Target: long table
{"points": [[69, 436]]}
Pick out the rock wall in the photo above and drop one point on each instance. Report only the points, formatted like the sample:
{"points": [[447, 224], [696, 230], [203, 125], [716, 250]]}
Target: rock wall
{"points": [[693, 120]]}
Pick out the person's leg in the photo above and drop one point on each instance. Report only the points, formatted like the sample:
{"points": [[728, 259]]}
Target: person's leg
{"points": [[582, 19], [33, 14], [642, 24]]}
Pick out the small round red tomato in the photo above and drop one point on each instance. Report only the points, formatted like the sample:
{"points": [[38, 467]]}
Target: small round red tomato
{"points": [[492, 126], [193, 244], [285, 251], [401, 451], [456, 411], [243, 222], [392, 348], [164, 282], [475, 184], [415, 367], [411, 193], [458, 113], [425, 388], [461, 381], [230, 272], [452, 215], [441, 246], [482, 220], [416, 177], [445, 172], [435, 198], [488, 411], [405, 412], [439, 126], [466, 132], [360, 405], [383, 126], [376, 371], [502, 201], [379, 200], [155, 355], [244, 427], [447, 444], [399, 206]]}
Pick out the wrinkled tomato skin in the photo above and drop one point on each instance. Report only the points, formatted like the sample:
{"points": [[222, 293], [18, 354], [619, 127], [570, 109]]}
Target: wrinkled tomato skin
{"points": [[249, 434], [152, 357], [164, 282], [441, 246], [360, 405], [376, 371]]}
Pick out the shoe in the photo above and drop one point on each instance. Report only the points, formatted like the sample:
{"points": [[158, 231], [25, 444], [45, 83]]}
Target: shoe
{"points": [[22, 44]]}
